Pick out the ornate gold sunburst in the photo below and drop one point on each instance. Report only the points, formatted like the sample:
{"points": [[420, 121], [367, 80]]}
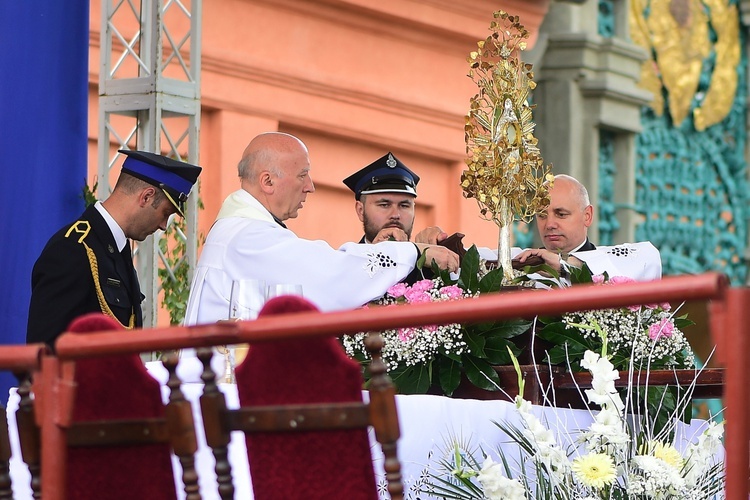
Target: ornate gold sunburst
{"points": [[676, 32], [505, 170]]}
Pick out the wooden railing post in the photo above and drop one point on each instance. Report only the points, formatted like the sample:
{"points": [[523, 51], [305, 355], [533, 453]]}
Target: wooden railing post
{"points": [[730, 332], [54, 448]]}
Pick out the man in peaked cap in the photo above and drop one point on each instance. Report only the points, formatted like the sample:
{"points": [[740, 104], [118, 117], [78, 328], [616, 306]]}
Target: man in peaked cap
{"points": [[87, 266], [385, 193]]}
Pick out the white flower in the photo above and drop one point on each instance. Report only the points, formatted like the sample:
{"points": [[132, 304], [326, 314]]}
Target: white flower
{"points": [[700, 456], [590, 358], [602, 392], [496, 486], [595, 470], [601, 368], [653, 477], [523, 406], [608, 433], [536, 432]]}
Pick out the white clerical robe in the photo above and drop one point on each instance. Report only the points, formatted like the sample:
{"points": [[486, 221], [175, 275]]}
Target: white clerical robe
{"points": [[640, 261], [246, 243]]}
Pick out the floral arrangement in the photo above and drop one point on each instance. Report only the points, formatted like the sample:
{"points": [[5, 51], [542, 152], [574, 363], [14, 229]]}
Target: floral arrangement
{"points": [[643, 337], [637, 337], [616, 457], [437, 357]]}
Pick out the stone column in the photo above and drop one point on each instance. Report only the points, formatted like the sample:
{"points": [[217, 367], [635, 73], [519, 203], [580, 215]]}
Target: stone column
{"points": [[587, 84]]}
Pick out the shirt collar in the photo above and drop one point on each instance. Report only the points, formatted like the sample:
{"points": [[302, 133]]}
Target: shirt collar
{"points": [[115, 229], [579, 246]]}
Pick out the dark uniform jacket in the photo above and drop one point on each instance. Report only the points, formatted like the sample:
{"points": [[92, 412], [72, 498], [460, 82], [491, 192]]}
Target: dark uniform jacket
{"points": [[587, 246], [64, 278], [416, 274]]}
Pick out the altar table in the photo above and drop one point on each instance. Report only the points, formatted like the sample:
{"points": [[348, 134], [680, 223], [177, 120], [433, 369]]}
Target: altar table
{"points": [[429, 425]]}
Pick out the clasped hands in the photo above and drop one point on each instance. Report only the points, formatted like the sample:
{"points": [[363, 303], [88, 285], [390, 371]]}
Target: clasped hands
{"points": [[551, 258], [426, 241]]}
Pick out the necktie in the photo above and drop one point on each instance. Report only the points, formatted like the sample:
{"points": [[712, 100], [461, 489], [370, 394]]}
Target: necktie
{"points": [[128, 259]]}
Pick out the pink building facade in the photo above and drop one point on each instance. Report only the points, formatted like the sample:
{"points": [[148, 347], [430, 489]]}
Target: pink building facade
{"points": [[353, 79]]}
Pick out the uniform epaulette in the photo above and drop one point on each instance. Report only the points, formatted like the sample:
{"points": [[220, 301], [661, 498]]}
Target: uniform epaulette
{"points": [[81, 227]]}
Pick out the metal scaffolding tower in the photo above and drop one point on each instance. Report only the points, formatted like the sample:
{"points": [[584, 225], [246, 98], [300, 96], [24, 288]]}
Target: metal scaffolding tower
{"points": [[149, 99]]}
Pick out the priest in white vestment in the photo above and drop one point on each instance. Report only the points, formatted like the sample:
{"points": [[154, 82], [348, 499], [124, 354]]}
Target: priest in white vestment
{"points": [[564, 233], [250, 241]]}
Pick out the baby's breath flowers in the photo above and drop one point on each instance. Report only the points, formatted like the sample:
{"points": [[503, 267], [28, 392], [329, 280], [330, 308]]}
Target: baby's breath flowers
{"points": [[416, 345], [437, 358], [639, 337]]}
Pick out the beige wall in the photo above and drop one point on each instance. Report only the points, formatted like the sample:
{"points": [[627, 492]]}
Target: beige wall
{"points": [[353, 79]]}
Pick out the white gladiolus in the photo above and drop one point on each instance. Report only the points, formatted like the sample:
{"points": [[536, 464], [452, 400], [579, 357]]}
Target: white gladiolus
{"points": [[496, 486]]}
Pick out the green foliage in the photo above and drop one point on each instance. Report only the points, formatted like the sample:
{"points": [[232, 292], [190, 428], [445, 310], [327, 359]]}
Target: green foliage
{"points": [[488, 344], [88, 194], [174, 279], [174, 275]]}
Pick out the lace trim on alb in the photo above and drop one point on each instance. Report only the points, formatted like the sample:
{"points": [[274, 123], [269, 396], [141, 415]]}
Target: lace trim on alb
{"points": [[378, 261]]}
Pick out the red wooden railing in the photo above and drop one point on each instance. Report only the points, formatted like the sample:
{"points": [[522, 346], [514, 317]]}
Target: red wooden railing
{"points": [[729, 315]]}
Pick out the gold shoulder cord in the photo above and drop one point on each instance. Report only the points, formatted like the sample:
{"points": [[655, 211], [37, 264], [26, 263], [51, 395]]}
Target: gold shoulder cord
{"points": [[83, 227]]}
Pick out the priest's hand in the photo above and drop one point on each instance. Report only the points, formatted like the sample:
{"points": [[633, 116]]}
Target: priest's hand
{"points": [[552, 259], [444, 258], [391, 234], [431, 235]]}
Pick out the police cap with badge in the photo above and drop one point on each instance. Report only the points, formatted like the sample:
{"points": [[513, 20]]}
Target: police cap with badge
{"points": [[384, 175], [175, 178]]}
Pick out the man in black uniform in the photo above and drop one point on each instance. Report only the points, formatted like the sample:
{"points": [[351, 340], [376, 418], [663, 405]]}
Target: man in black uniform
{"points": [[385, 192], [87, 266]]}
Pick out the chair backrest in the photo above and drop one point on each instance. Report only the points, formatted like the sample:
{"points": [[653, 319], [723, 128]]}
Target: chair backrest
{"points": [[305, 421], [122, 435], [23, 361]]}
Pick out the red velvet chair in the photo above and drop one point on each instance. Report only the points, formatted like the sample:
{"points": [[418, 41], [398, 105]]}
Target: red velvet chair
{"points": [[120, 443], [304, 418]]}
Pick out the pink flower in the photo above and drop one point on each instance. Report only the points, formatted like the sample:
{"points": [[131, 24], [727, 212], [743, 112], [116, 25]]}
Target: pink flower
{"points": [[618, 280], [598, 279], [422, 285], [664, 328], [452, 292], [397, 290], [664, 305], [415, 296]]}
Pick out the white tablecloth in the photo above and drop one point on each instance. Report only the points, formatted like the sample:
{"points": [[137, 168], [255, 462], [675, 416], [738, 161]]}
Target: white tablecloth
{"points": [[429, 424]]}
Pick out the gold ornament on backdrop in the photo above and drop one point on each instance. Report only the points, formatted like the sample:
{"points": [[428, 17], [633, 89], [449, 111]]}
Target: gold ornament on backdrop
{"points": [[505, 170], [676, 33]]}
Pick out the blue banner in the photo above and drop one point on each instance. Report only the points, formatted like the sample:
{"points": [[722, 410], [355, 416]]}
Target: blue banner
{"points": [[43, 142]]}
